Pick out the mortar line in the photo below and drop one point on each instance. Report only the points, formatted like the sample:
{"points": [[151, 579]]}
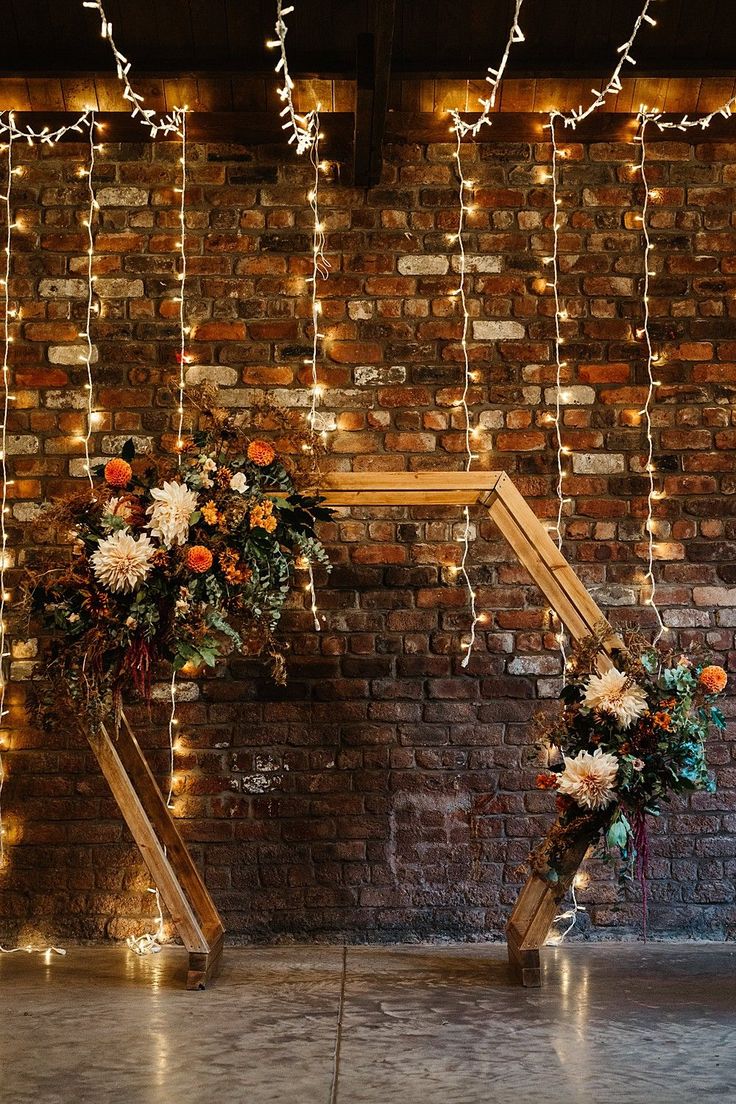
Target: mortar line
{"points": [[338, 1030]]}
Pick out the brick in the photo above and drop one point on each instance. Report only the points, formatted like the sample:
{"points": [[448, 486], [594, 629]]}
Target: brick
{"points": [[423, 265], [597, 463], [63, 289], [118, 288], [214, 373], [122, 197], [498, 331], [72, 354], [220, 331], [370, 376]]}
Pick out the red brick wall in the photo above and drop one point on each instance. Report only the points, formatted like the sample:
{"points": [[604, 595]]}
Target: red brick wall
{"points": [[385, 792]]}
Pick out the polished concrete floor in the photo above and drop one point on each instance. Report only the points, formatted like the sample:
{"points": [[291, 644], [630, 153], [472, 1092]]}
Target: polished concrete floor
{"points": [[614, 1024]]}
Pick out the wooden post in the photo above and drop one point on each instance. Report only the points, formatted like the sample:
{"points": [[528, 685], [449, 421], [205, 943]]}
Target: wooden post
{"points": [[164, 852]]}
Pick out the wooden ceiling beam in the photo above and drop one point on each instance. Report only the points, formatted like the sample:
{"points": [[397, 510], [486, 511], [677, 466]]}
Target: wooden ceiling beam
{"points": [[373, 77]]}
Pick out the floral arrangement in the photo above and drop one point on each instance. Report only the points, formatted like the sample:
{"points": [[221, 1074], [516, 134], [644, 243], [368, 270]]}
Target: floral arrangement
{"points": [[622, 744], [181, 559]]}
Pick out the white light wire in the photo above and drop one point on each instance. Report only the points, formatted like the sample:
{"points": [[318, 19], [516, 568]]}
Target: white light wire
{"points": [[87, 334], [516, 35], [462, 129], [166, 124], [304, 128], [613, 86], [649, 579], [182, 274], [7, 198], [559, 365], [469, 454]]}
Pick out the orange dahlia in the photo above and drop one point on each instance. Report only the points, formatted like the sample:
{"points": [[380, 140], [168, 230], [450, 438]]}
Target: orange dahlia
{"points": [[199, 558], [261, 453], [118, 472], [546, 780], [713, 679], [210, 513]]}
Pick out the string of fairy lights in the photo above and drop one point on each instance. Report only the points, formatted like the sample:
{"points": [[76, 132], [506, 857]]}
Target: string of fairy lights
{"points": [[86, 333], [560, 316], [4, 415], [305, 135], [650, 584], [463, 129]]}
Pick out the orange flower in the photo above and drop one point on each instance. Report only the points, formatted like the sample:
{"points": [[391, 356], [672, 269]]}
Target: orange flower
{"points": [[261, 516], [546, 781], [199, 558], [662, 719], [713, 679], [210, 513], [261, 453], [118, 472], [235, 572]]}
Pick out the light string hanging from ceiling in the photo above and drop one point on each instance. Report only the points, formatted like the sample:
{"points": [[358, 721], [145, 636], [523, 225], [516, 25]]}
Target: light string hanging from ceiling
{"points": [[560, 315], [4, 414], [320, 270], [613, 86], [304, 128], [305, 136], [168, 123], [463, 129], [182, 277], [516, 35], [151, 942], [468, 644], [91, 307], [650, 597]]}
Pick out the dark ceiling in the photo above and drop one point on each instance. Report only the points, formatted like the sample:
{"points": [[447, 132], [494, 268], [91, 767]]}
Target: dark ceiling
{"points": [[437, 37]]}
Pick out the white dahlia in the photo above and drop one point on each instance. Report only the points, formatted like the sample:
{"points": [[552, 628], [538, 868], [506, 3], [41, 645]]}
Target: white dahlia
{"points": [[173, 505], [590, 779], [616, 694], [121, 561]]}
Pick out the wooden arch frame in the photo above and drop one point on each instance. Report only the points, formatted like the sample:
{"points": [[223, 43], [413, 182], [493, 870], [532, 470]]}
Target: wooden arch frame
{"points": [[167, 857]]}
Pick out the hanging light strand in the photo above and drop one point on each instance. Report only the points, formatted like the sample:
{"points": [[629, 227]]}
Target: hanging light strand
{"points": [[494, 78], [87, 333], [613, 85], [4, 473], [164, 124], [182, 274], [320, 271], [462, 129], [645, 334], [464, 185], [304, 128], [560, 448]]}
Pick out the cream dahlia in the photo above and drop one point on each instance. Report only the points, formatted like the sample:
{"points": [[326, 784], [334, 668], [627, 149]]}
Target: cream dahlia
{"points": [[614, 693], [590, 779], [122, 561], [173, 505]]}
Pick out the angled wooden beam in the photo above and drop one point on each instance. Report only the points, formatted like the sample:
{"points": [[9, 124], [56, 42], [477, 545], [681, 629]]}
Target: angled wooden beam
{"points": [[164, 852], [373, 76]]}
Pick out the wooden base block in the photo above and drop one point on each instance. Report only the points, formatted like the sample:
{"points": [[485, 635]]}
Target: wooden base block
{"points": [[204, 967]]}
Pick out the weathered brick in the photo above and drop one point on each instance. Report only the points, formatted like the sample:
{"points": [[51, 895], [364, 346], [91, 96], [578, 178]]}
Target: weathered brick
{"points": [[498, 331]]}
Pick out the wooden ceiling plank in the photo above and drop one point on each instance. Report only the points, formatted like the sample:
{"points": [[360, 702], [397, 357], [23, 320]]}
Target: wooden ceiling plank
{"points": [[44, 93], [714, 91], [373, 65]]}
